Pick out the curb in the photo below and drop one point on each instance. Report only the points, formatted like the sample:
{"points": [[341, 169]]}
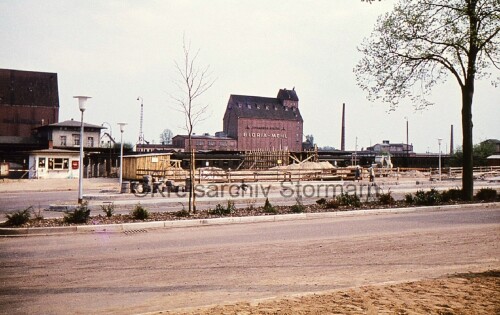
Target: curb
{"points": [[130, 227]]}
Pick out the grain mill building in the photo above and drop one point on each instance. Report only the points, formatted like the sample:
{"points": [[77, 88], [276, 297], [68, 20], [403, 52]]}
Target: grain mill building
{"points": [[265, 123]]}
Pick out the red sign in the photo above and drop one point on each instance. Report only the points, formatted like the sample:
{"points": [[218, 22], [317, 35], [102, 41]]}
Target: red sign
{"points": [[74, 165]]}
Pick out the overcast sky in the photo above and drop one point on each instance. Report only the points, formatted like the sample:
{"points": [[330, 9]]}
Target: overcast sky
{"points": [[118, 50]]}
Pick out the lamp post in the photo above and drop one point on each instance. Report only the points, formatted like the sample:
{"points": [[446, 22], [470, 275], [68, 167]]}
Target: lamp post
{"points": [[81, 105], [439, 142], [122, 128]]}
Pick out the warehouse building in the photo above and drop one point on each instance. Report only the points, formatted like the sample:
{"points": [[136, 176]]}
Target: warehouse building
{"points": [[265, 123]]}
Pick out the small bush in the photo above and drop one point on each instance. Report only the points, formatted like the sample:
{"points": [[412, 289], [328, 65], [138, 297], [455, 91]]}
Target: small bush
{"points": [[221, 210], [268, 208], [409, 199], [19, 217], [332, 204], [452, 195], [345, 199], [427, 198], [182, 213], [298, 207], [108, 209], [140, 213], [386, 199], [486, 194], [38, 214], [80, 215], [321, 201]]}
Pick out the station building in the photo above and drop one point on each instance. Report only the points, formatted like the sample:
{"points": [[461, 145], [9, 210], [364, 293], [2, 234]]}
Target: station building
{"points": [[265, 123]]}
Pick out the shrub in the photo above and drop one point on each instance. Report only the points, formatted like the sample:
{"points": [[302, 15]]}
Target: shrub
{"points": [[182, 213], [268, 208], [298, 207], [451, 195], [345, 199], [220, 210], [108, 209], [19, 217], [332, 204], [38, 214], [386, 199], [80, 215], [321, 201], [486, 194], [427, 198], [409, 198], [140, 213]]}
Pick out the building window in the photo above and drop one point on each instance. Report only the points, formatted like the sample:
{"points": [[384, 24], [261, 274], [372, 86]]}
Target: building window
{"points": [[41, 162], [58, 164], [90, 142], [211, 143], [76, 139], [63, 141], [223, 143], [200, 142]]}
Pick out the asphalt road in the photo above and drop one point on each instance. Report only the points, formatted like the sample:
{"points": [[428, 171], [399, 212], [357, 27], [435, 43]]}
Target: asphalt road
{"points": [[153, 270]]}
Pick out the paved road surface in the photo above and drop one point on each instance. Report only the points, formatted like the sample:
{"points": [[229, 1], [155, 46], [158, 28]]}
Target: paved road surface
{"points": [[155, 270]]}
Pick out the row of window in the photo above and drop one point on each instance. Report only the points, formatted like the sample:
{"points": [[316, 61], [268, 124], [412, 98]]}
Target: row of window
{"points": [[76, 141], [214, 143], [53, 163]]}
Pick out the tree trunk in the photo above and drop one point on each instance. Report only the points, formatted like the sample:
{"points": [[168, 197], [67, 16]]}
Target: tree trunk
{"points": [[193, 178], [190, 198], [467, 163]]}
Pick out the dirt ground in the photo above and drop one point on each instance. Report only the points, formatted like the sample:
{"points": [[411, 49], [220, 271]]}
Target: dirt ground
{"points": [[472, 293]]}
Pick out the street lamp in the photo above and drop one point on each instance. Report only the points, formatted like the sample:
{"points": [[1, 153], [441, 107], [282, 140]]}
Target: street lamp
{"points": [[81, 105], [439, 142], [122, 128]]}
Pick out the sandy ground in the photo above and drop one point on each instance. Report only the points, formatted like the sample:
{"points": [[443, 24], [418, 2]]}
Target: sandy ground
{"points": [[473, 293], [94, 184]]}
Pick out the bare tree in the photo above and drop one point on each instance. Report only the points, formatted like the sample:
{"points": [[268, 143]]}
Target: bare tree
{"points": [[193, 82], [419, 43], [166, 136]]}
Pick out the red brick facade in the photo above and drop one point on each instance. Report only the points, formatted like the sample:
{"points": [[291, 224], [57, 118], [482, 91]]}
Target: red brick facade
{"points": [[204, 142], [262, 123], [27, 99]]}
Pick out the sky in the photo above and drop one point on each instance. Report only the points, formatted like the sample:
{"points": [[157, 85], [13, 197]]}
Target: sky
{"points": [[118, 50]]}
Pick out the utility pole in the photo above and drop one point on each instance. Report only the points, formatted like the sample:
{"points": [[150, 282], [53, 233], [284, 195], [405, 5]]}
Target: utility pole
{"points": [[141, 134]]}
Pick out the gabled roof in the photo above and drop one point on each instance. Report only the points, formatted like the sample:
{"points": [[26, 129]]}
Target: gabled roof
{"points": [[244, 106]]}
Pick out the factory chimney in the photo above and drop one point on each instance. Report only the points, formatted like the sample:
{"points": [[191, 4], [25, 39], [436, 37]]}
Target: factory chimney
{"points": [[342, 136], [451, 141]]}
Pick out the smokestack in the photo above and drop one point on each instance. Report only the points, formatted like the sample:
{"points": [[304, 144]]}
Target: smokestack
{"points": [[451, 140], [342, 136]]}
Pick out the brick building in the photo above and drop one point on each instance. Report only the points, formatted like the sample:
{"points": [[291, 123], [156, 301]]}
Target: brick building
{"points": [[265, 123], [205, 142], [27, 100]]}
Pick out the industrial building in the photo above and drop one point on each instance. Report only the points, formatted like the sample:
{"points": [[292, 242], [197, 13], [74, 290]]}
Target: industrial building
{"points": [[265, 123], [27, 100]]}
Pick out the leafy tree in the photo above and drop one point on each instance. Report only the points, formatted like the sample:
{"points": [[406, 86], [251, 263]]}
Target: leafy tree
{"points": [[480, 152], [419, 43], [166, 136]]}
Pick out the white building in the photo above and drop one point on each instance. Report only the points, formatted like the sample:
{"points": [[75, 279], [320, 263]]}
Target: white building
{"points": [[54, 163]]}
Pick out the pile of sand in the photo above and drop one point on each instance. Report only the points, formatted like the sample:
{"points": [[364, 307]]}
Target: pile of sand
{"points": [[306, 166]]}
